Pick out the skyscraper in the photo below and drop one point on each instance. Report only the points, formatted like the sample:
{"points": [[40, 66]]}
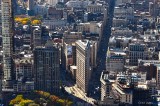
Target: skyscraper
{"points": [[46, 68], [83, 73], [7, 36]]}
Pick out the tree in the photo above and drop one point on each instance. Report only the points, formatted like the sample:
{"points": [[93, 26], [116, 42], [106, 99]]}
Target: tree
{"points": [[46, 94], [52, 100], [33, 104], [68, 103], [20, 101], [61, 101], [24, 22], [17, 100], [36, 22], [18, 19], [26, 19], [25, 102]]}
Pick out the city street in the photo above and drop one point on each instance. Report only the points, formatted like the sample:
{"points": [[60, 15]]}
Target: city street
{"points": [[101, 56], [74, 90], [70, 86]]}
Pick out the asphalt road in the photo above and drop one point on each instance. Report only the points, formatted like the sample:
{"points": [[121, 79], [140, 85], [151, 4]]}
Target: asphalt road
{"points": [[101, 56]]}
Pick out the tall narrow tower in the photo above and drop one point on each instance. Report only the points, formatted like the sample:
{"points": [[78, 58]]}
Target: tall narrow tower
{"points": [[83, 74], [7, 36]]}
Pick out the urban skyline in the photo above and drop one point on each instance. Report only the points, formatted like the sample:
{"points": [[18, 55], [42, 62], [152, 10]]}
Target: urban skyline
{"points": [[79, 52]]}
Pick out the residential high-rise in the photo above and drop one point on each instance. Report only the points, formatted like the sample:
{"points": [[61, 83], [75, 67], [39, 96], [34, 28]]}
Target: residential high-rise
{"points": [[46, 68], [37, 32], [30, 4], [7, 36], [30, 7], [137, 51], [69, 39], [115, 63], [24, 74], [106, 85], [24, 69], [83, 73]]}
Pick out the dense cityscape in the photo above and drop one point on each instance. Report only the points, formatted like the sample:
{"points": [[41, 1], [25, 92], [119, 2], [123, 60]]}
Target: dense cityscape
{"points": [[79, 52]]}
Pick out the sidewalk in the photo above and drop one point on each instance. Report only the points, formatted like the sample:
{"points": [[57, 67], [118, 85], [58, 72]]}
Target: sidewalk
{"points": [[84, 97]]}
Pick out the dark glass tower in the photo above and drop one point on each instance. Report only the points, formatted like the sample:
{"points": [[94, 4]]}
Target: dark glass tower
{"points": [[46, 68]]}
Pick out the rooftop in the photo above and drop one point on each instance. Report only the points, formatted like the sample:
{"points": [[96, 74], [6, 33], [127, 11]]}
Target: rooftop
{"points": [[83, 43], [105, 78], [24, 61], [73, 67]]}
